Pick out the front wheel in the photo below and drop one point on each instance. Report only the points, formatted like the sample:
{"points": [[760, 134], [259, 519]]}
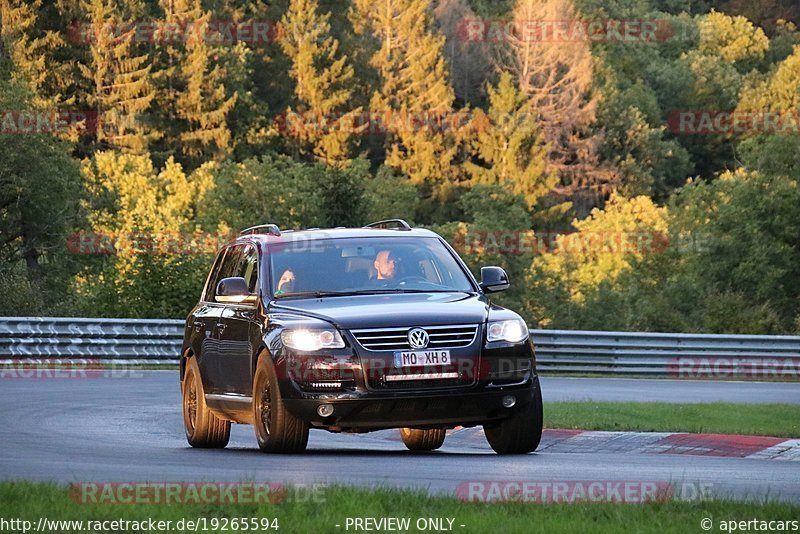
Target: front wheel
{"points": [[276, 429], [422, 440], [203, 428], [520, 433]]}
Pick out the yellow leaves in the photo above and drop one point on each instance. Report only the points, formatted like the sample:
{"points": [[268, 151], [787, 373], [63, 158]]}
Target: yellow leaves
{"points": [[130, 197], [732, 38], [605, 243], [778, 92]]}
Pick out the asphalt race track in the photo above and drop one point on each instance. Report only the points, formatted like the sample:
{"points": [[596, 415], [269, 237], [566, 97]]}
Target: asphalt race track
{"points": [[129, 429], [665, 390]]}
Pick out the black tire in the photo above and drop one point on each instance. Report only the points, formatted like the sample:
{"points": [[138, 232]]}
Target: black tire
{"points": [[520, 433], [422, 440], [203, 429], [277, 430]]}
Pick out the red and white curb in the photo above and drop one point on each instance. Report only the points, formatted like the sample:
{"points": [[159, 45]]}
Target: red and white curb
{"points": [[588, 441]]}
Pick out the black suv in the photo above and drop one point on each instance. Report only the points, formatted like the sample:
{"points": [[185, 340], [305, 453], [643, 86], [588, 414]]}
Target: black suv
{"points": [[355, 330]]}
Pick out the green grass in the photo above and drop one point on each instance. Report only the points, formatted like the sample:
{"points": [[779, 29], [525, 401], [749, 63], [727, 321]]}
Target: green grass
{"points": [[779, 420], [30, 501]]}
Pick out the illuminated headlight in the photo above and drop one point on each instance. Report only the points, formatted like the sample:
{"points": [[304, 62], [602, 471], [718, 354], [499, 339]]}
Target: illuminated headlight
{"points": [[512, 331], [311, 340]]}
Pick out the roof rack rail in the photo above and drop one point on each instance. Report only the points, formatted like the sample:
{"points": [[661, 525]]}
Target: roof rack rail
{"points": [[398, 224], [271, 229]]}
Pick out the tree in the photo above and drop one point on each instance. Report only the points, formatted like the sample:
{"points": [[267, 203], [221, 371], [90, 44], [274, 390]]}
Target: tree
{"points": [[495, 230], [197, 86], [120, 86], [323, 126], [648, 162], [468, 60], [277, 189], [746, 224], [390, 194], [777, 92], [39, 193], [151, 257], [31, 50], [604, 245], [557, 79], [734, 39], [509, 146], [764, 13], [415, 95], [775, 97]]}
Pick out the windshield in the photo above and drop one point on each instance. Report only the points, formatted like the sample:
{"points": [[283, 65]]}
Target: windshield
{"points": [[364, 265]]}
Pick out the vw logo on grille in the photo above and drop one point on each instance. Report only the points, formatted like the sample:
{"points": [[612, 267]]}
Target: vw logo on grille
{"points": [[418, 338]]}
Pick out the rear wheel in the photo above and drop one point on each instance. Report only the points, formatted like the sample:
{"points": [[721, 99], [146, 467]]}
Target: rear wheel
{"points": [[203, 428], [276, 429], [422, 440], [520, 433]]}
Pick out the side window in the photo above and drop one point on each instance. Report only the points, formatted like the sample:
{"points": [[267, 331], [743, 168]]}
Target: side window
{"points": [[249, 268], [213, 277], [229, 267]]}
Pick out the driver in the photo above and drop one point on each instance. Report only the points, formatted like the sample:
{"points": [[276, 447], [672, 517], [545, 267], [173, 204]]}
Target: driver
{"points": [[385, 265]]}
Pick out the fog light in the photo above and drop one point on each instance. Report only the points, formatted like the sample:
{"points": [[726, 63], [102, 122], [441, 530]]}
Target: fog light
{"points": [[325, 410], [508, 401]]}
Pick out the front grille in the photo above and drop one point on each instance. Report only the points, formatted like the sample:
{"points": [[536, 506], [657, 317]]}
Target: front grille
{"points": [[380, 373], [444, 337], [419, 384]]}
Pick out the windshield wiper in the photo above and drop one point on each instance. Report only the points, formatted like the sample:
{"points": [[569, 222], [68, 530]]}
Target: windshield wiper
{"points": [[318, 294]]}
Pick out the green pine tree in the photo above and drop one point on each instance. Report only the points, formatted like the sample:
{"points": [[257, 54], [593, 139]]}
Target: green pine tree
{"points": [[509, 146], [414, 90], [200, 95], [29, 51], [121, 88], [321, 124]]}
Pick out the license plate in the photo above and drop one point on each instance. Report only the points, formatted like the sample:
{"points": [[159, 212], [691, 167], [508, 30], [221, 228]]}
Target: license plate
{"points": [[421, 358]]}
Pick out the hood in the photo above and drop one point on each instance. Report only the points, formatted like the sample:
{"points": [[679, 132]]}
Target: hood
{"points": [[378, 311]]}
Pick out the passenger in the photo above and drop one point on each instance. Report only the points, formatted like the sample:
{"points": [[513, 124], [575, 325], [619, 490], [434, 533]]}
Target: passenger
{"points": [[286, 282]]}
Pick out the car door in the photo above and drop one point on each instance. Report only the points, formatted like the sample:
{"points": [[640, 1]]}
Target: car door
{"points": [[238, 331], [213, 368], [203, 324]]}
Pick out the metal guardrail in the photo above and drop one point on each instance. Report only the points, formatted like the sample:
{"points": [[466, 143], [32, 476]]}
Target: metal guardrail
{"points": [[158, 341], [677, 355], [148, 341]]}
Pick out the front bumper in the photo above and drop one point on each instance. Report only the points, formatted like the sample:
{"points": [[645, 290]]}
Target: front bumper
{"points": [[363, 400], [365, 411]]}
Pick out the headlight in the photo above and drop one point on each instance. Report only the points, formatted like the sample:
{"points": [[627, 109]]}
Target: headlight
{"points": [[512, 331], [311, 340]]}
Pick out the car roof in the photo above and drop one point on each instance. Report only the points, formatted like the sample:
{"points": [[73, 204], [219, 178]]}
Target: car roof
{"points": [[290, 236]]}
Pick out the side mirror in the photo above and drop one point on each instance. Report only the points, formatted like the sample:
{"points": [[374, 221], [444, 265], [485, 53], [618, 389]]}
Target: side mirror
{"points": [[493, 279], [234, 291]]}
